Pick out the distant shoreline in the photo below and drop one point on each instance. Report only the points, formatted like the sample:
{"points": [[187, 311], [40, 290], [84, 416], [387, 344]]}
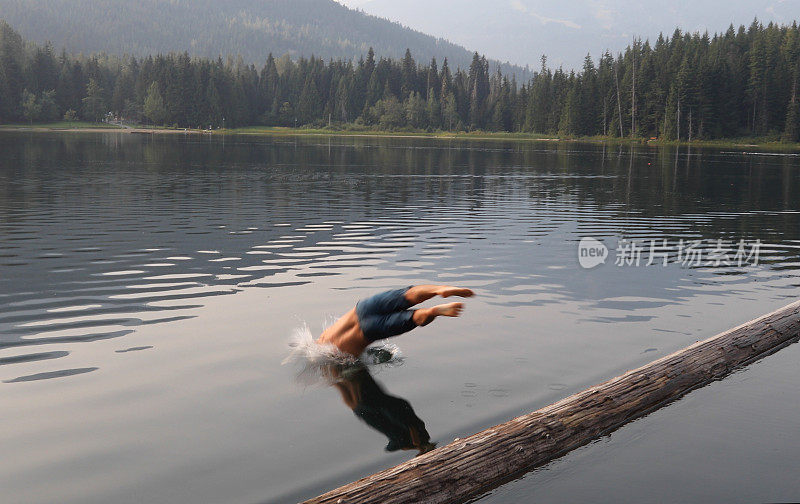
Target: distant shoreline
{"points": [[267, 131]]}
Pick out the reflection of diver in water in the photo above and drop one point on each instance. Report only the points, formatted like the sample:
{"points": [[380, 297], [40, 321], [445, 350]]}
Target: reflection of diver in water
{"points": [[388, 314], [388, 414]]}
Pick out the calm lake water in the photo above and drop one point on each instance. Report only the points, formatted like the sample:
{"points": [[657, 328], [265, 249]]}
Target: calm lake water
{"points": [[149, 286]]}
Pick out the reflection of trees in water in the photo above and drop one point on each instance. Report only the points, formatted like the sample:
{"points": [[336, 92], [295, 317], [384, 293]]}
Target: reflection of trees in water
{"points": [[345, 176]]}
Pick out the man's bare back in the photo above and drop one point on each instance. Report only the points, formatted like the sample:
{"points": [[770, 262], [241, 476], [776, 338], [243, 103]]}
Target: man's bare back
{"points": [[387, 314]]}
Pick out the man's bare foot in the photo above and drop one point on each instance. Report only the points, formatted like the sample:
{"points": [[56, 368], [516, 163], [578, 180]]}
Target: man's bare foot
{"points": [[448, 310], [448, 291]]}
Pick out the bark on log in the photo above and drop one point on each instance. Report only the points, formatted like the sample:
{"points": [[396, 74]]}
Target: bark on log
{"points": [[470, 466]]}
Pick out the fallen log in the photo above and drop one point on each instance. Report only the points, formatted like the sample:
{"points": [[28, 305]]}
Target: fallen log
{"points": [[470, 466]]}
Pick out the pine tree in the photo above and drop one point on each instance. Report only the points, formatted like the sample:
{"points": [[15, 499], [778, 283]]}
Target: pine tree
{"points": [[374, 90], [408, 84], [432, 84], [123, 90], [758, 80], [369, 66], [478, 89], [791, 132], [308, 106], [446, 78], [791, 54], [11, 78], [588, 99], [267, 87], [569, 123], [342, 101]]}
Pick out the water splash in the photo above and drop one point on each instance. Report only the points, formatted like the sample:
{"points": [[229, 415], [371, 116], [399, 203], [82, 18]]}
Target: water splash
{"points": [[323, 362]]}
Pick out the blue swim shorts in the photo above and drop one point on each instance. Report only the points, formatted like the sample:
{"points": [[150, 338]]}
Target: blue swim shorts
{"points": [[385, 315]]}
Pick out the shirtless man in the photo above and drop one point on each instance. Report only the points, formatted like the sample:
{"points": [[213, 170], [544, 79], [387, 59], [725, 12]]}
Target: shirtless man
{"points": [[387, 314]]}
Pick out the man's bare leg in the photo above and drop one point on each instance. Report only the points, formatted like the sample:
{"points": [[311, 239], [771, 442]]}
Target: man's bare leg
{"points": [[421, 293], [425, 316]]}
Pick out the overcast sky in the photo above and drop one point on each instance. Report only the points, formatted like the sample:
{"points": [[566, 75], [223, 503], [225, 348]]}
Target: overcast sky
{"points": [[521, 31], [353, 3]]}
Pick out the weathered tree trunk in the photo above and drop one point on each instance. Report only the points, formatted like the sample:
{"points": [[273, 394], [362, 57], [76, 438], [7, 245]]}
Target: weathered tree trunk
{"points": [[467, 467]]}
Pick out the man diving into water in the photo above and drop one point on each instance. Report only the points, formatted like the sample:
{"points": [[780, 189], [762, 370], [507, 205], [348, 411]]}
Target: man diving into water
{"points": [[387, 314]]}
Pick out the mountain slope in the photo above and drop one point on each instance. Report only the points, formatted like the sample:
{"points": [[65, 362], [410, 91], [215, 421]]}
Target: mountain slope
{"points": [[251, 28]]}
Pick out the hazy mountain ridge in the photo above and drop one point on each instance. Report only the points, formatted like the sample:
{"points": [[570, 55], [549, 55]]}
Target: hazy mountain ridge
{"points": [[521, 31], [250, 28]]}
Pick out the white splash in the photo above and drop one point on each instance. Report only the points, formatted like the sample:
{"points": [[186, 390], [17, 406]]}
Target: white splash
{"points": [[316, 361], [304, 350]]}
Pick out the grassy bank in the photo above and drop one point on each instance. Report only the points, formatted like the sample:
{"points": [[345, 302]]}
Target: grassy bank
{"points": [[730, 143], [483, 135], [760, 143]]}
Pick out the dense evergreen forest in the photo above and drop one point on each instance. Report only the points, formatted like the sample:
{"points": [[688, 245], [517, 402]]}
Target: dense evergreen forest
{"points": [[688, 86], [208, 28]]}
